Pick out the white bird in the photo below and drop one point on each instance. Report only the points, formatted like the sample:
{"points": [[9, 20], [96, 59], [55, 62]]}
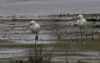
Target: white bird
{"points": [[35, 28], [81, 21], [82, 24]]}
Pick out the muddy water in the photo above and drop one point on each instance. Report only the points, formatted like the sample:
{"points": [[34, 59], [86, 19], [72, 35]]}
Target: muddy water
{"points": [[12, 52], [48, 35]]}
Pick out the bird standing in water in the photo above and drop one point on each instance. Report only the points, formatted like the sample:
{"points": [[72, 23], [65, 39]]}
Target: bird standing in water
{"points": [[81, 22], [35, 28]]}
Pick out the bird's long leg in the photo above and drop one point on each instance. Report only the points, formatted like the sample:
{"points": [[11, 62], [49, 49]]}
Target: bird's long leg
{"points": [[36, 39], [80, 31], [92, 34]]}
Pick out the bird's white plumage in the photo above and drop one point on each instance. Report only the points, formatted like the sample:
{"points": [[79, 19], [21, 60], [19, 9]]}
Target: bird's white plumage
{"points": [[81, 21], [34, 27], [32, 22]]}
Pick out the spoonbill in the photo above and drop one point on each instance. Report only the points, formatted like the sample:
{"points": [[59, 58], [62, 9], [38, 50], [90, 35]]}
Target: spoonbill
{"points": [[35, 28], [82, 23]]}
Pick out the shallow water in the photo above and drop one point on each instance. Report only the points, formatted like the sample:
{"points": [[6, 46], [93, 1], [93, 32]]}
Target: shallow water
{"points": [[17, 36], [12, 52]]}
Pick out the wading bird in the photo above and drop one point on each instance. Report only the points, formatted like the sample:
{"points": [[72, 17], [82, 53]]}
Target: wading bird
{"points": [[81, 21], [35, 28], [82, 24]]}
